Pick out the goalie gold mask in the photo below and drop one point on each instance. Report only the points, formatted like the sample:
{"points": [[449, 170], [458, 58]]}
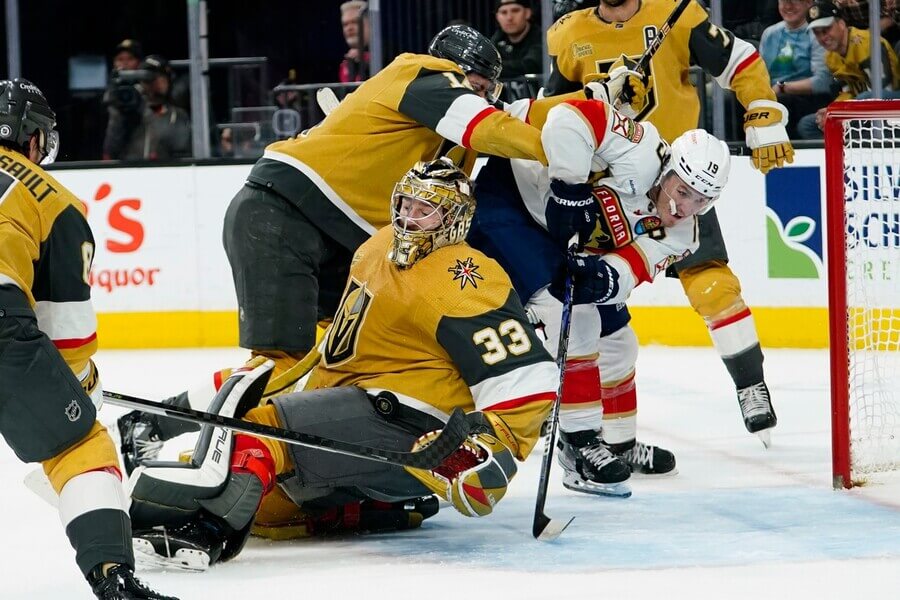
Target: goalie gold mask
{"points": [[431, 207]]}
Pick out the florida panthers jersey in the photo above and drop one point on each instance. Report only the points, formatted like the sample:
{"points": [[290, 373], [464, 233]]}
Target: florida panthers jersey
{"points": [[586, 140], [582, 46], [448, 332], [46, 250]]}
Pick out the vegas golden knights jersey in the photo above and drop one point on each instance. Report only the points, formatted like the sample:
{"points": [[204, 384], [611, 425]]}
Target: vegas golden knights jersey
{"points": [[583, 45], [406, 113], [46, 249], [448, 332], [853, 69]]}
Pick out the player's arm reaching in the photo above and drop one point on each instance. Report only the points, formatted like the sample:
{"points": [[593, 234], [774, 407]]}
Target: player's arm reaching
{"points": [[445, 101], [736, 65]]}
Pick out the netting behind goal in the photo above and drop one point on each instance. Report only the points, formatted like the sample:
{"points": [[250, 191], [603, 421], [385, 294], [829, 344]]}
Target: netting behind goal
{"points": [[862, 145]]}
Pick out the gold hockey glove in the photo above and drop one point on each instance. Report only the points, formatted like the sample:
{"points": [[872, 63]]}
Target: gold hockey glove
{"points": [[632, 97], [475, 477], [764, 126], [90, 383]]}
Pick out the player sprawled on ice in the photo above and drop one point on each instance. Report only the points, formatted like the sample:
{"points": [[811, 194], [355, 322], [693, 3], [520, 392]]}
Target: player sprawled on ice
{"points": [[586, 43], [310, 201], [639, 216], [426, 324], [50, 384]]}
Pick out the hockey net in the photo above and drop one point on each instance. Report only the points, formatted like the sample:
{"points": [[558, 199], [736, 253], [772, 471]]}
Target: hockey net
{"points": [[862, 147]]}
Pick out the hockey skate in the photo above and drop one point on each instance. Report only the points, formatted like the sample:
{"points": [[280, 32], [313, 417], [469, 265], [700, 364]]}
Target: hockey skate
{"points": [[590, 467], [140, 439], [119, 583], [756, 407], [194, 546], [645, 460]]}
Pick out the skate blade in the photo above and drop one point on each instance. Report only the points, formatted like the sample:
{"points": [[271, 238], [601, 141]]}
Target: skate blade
{"points": [[765, 436], [192, 561], [611, 490], [639, 475]]}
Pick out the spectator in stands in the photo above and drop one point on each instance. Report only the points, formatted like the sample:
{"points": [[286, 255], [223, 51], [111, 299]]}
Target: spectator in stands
{"points": [[856, 14], [354, 21], [796, 63], [848, 58], [517, 40], [121, 98], [161, 130]]}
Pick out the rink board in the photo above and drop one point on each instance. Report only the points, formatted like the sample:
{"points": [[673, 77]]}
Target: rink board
{"points": [[161, 278]]}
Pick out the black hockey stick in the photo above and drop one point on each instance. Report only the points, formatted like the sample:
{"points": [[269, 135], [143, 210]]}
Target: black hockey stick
{"points": [[543, 527], [643, 62], [453, 434]]}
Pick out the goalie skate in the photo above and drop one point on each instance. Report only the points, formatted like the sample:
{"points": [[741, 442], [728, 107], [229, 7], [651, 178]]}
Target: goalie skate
{"points": [[589, 466], [191, 547], [756, 408]]}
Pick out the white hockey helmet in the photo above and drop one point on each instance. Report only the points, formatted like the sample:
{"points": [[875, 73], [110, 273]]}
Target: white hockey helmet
{"points": [[702, 161]]}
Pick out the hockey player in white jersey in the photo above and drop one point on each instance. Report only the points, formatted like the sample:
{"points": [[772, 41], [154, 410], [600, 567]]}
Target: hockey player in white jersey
{"points": [[641, 219]]}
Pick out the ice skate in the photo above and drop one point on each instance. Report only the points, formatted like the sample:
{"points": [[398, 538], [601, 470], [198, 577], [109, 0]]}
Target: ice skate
{"points": [[645, 460], [590, 467], [756, 407], [119, 583]]}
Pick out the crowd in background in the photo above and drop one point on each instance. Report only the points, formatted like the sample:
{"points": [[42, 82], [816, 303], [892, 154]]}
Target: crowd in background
{"points": [[816, 51]]}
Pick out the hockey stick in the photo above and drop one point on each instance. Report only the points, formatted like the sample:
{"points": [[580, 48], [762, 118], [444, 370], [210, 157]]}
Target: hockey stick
{"points": [[327, 100], [452, 435], [543, 527], [643, 62]]}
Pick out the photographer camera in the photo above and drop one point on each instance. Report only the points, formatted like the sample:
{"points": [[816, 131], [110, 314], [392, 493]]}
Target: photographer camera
{"points": [[144, 124]]}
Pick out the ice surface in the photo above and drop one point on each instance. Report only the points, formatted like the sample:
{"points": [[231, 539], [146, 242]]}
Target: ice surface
{"points": [[737, 522]]}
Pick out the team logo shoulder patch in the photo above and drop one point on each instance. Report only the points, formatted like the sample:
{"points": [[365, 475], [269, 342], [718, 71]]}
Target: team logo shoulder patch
{"points": [[466, 271], [348, 321], [627, 128], [647, 224]]}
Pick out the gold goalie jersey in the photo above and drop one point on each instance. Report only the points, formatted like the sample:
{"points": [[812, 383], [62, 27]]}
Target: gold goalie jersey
{"points": [[583, 46], [448, 332], [46, 249], [417, 108]]}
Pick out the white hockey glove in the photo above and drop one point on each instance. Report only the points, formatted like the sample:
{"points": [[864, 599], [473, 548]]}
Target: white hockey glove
{"points": [[475, 477], [623, 87], [764, 125]]}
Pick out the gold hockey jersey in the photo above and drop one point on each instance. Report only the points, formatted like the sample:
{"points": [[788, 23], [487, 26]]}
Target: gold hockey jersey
{"points": [[853, 70], [582, 45], [46, 250], [417, 108], [448, 332]]}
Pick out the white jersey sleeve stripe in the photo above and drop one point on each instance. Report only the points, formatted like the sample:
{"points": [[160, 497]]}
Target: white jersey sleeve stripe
{"points": [[457, 123], [524, 383], [67, 323]]}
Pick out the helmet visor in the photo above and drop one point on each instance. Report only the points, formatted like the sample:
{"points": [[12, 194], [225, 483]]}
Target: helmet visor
{"points": [[50, 147]]}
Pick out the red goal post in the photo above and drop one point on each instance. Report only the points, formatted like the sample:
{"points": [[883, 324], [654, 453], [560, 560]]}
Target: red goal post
{"points": [[862, 162]]}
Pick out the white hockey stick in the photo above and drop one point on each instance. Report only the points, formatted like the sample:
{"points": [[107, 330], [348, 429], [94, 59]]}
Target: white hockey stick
{"points": [[327, 100]]}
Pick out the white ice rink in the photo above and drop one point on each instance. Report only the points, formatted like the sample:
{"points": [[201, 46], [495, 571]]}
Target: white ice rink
{"points": [[736, 522]]}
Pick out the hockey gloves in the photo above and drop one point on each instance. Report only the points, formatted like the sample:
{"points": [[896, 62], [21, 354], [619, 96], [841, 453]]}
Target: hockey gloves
{"points": [[571, 209], [764, 126], [596, 281], [90, 383], [623, 87], [475, 477]]}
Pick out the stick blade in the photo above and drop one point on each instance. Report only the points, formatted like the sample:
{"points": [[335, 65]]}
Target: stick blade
{"points": [[546, 529]]}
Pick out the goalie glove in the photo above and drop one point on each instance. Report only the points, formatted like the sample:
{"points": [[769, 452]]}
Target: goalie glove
{"points": [[475, 477], [764, 126]]}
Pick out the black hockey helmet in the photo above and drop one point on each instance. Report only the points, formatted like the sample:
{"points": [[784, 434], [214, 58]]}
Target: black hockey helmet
{"points": [[24, 112], [465, 46]]}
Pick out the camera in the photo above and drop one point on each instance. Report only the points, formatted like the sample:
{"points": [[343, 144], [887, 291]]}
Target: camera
{"points": [[124, 93]]}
